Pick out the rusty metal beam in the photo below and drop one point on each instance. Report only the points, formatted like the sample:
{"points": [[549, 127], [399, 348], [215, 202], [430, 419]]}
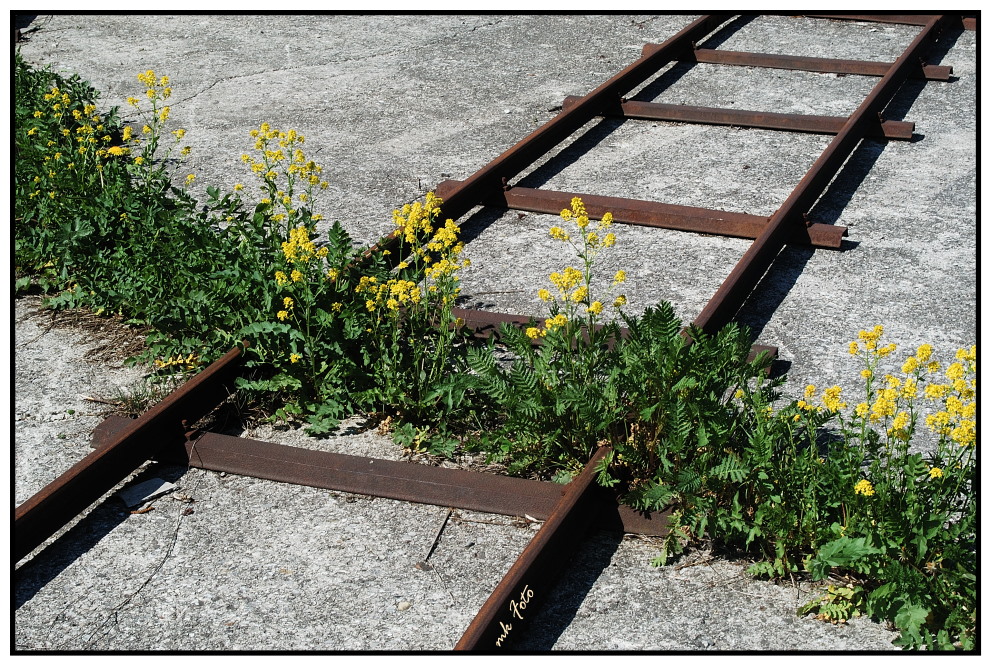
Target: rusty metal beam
{"points": [[502, 618], [86, 481], [403, 481], [485, 324], [790, 122], [968, 20], [902, 19], [744, 277], [807, 64], [657, 215]]}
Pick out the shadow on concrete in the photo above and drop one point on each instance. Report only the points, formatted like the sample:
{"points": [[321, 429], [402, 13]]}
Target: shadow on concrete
{"points": [[65, 550]]}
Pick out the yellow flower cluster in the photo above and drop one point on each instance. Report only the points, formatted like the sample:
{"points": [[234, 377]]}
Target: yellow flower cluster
{"points": [[894, 402], [831, 399], [592, 240], [280, 154], [188, 362], [299, 249], [415, 220], [438, 248], [393, 294], [864, 487], [573, 286]]}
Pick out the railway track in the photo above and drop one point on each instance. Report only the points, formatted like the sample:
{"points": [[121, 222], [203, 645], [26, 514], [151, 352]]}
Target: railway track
{"points": [[165, 432]]}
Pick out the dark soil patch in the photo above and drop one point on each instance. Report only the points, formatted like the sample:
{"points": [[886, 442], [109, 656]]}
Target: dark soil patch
{"points": [[113, 340]]}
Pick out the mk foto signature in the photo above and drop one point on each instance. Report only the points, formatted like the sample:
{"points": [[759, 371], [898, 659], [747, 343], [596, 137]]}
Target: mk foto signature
{"points": [[516, 610]]}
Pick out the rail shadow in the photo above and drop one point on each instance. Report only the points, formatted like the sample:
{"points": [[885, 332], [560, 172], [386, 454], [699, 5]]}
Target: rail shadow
{"points": [[565, 598], [80, 538]]}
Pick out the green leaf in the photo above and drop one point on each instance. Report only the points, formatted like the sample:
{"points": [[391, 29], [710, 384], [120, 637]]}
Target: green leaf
{"points": [[842, 553]]}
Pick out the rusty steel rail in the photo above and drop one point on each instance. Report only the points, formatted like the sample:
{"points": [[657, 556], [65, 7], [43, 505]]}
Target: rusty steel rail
{"points": [[531, 577], [655, 214], [42, 515], [789, 122], [712, 56], [967, 20]]}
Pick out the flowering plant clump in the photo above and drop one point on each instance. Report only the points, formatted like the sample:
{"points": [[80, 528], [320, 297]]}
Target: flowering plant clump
{"points": [[831, 486], [577, 383], [414, 331], [574, 301], [555, 396], [288, 178], [65, 154], [149, 161]]}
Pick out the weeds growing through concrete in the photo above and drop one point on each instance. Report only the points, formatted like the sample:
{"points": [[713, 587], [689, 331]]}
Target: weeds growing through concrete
{"points": [[813, 487]]}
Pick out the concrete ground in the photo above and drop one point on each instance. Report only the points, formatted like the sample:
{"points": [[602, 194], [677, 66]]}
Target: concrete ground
{"points": [[392, 105]]}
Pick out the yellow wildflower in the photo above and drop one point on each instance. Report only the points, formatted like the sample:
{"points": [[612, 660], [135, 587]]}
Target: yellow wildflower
{"points": [[864, 487], [831, 398], [955, 371]]}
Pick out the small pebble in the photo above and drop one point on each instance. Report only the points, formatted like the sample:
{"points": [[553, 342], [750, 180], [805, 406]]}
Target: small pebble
{"points": [[404, 605]]}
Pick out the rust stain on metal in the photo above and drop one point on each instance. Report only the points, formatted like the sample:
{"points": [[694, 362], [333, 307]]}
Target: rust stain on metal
{"points": [[791, 122]]}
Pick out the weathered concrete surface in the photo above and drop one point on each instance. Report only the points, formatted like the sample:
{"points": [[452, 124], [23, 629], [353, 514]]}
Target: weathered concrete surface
{"points": [[391, 105]]}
